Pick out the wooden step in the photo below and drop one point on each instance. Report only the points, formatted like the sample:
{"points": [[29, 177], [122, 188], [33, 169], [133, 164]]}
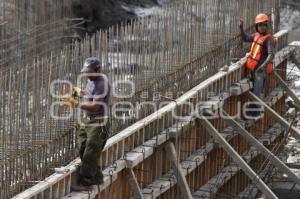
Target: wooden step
{"points": [[222, 177]]}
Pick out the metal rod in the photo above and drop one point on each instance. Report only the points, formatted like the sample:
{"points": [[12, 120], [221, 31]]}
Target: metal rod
{"points": [[259, 146], [294, 131], [289, 91], [237, 158]]}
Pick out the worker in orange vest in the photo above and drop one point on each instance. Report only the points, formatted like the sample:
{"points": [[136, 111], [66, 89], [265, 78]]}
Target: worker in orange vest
{"points": [[260, 59]]}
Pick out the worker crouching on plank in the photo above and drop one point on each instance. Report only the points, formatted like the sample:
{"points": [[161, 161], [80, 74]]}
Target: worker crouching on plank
{"points": [[260, 60], [94, 129]]}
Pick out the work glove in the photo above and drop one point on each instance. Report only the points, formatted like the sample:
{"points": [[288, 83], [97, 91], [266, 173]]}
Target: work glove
{"points": [[70, 101], [77, 92]]}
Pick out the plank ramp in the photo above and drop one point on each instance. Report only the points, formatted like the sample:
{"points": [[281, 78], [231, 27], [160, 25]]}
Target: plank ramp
{"points": [[215, 183], [60, 181]]}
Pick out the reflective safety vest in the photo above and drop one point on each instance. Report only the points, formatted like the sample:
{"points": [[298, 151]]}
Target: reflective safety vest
{"points": [[256, 52]]}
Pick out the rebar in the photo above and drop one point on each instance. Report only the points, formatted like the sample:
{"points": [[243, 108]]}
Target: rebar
{"points": [[179, 47]]}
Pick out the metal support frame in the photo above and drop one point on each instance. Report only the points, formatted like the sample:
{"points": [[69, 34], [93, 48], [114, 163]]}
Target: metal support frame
{"points": [[294, 131], [130, 176], [237, 158], [289, 91], [295, 61], [261, 148], [181, 180]]}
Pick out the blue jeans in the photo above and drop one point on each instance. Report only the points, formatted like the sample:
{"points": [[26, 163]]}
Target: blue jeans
{"points": [[258, 80]]}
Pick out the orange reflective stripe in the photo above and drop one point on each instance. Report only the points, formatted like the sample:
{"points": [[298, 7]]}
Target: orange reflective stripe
{"points": [[257, 49], [252, 46]]}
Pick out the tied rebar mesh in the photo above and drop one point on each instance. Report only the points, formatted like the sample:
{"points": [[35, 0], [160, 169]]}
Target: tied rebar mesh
{"points": [[33, 28], [165, 54]]}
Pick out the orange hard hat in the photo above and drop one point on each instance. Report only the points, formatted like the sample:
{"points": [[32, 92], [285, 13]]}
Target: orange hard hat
{"points": [[260, 18]]}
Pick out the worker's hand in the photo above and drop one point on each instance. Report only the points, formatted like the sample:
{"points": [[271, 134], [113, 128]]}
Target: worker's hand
{"points": [[241, 24], [70, 101], [77, 92]]}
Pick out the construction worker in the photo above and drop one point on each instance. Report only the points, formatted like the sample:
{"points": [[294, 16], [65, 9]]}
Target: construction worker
{"points": [[94, 129], [260, 59]]}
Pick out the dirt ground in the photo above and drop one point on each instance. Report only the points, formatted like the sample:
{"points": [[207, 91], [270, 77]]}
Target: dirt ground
{"points": [[101, 14]]}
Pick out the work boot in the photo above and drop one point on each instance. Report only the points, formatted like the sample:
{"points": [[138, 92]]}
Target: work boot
{"points": [[82, 180], [80, 187], [99, 176], [96, 180], [87, 181]]}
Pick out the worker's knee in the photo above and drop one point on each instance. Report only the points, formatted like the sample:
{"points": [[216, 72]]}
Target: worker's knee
{"points": [[93, 148], [81, 135], [94, 143]]}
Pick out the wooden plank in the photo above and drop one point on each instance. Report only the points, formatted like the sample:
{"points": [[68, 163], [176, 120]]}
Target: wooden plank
{"points": [[211, 187], [227, 133], [181, 180], [262, 149], [294, 131], [288, 90], [40, 187], [237, 158], [251, 190], [167, 181], [130, 176], [240, 87]]}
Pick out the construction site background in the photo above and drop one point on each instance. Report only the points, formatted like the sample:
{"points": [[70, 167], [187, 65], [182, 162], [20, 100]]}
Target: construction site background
{"points": [[53, 44]]}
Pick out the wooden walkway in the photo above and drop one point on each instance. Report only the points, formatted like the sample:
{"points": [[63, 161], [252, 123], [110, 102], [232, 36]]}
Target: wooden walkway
{"points": [[165, 157]]}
